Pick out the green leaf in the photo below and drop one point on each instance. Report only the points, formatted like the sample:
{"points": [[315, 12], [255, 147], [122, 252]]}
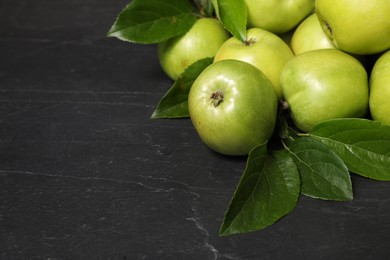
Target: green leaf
{"points": [[233, 15], [268, 190], [153, 21], [363, 145], [323, 174], [282, 126], [174, 103]]}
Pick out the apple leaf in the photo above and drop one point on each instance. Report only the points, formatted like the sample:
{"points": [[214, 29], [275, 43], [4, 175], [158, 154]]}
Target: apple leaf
{"points": [[363, 145], [282, 126], [174, 104], [153, 21], [323, 174], [268, 190], [233, 15]]}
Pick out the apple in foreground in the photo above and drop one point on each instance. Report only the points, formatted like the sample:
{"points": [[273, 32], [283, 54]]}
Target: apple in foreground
{"points": [[358, 27], [201, 41], [263, 49], [277, 16], [380, 89], [233, 107], [309, 36], [324, 84]]}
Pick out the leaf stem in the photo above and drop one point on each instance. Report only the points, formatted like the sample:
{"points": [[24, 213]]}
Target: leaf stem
{"points": [[285, 145], [201, 11]]}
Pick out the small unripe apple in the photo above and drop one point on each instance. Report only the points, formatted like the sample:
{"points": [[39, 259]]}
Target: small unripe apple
{"points": [[233, 107], [201, 41], [263, 49], [324, 84], [380, 89]]}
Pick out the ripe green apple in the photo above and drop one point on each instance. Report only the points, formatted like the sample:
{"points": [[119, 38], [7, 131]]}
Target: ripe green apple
{"points": [[277, 16], [310, 36], [356, 26], [380, 89], [201, 41], [265, 50], [233, 107], [324, 84]]}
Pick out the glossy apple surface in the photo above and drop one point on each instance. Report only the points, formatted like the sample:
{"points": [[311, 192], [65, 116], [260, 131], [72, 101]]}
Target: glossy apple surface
{"points": [[356, 26], [324, 84], [233, 107], [201, 41], [309, 36], [380, 89], [265, 50], [277, 16]]}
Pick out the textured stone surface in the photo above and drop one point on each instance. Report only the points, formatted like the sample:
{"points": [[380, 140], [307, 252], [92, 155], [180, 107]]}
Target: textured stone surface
{"points": [[86, 174]]}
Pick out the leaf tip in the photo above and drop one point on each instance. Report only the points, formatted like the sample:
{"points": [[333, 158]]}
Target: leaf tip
{"points": [[109, 33], [155, 115], [224, 231], [349, 196]]}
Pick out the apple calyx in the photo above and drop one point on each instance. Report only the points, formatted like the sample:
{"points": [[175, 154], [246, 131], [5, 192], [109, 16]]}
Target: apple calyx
{"points": [[216, 98], [250, 41]]}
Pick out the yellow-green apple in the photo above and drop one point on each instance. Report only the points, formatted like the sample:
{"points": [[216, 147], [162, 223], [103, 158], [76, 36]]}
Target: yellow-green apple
{"points": [[356, 26], [263, 49], [277, 16], [201, 41], [233, 107], [380, 89], [324, 84], [310, 36]]}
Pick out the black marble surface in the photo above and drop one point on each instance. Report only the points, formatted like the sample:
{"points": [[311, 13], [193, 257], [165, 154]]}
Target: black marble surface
{"points": [[86, 174]]}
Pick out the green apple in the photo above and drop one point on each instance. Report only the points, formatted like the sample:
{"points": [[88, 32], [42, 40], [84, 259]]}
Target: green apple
{"points": [[324, 84], [310, 36], [233, 107], [380, 89], [201, 41], [277, 16], [356, 26], [265, 50]]}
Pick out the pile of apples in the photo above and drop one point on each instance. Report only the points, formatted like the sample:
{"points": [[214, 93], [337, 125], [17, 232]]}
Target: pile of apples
{"points": [[312, 59]]}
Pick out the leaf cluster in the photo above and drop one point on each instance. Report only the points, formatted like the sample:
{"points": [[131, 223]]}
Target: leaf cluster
{"points": [[154, 21], [317, 164]]}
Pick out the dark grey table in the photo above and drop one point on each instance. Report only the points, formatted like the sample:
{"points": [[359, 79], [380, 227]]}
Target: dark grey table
{"points": [[86, 174]]}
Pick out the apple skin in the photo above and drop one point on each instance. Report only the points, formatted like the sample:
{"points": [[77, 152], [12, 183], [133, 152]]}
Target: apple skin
{"points": [[277, 16], [245, 114], [201, 41], [309, 36], [265, 50], [324, 84], [356, 26], [380, 89]]}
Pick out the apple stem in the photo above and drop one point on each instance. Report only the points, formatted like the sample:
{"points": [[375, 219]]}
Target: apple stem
{"points": [[201, 11], [283, 105], [216, 98]]}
